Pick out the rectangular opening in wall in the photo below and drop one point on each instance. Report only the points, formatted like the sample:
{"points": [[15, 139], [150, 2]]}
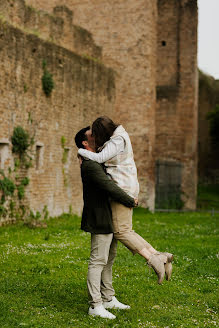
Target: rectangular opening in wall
{"points": [[39, 156], [168, 185]]}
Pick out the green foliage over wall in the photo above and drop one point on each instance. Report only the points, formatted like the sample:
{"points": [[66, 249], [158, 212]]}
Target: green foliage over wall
{"points": [[47, 80], [21, 189], [12, 186], [213, 118], [7, 187], [64, 159], [20, 141]]}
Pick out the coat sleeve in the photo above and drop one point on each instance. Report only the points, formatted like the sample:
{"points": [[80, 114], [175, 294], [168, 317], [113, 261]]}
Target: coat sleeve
{"points": [[97, 175], [112, 148]]}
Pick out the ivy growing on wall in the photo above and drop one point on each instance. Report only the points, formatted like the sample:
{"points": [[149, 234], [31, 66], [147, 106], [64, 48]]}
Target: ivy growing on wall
{"points": [[47, 80], [7, 186], [12, 186], [64, 160], [12, 192], [21, 142], [213, 118]]}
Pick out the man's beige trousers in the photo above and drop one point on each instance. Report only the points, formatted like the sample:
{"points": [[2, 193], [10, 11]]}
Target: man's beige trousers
{"points": [[99, 278], [122, 226]]}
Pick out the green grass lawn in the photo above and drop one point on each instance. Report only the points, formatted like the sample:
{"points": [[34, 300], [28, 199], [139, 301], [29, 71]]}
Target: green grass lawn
{"points": [[43, 274]]}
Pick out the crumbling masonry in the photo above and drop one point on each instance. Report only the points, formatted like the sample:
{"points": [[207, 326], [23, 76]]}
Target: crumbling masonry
{"points": [[134, 61]]}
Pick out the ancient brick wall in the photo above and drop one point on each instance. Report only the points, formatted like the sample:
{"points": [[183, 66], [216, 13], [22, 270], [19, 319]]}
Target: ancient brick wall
{"points": [[208, 162], [83, 89], [176, 114], [126, 31], [152, 46], [56, 27]]}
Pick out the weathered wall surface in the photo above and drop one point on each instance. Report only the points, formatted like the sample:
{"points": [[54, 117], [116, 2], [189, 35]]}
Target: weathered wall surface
{"points": [[126, 31], [152, 46], [176, 114], [83, 90], [208, 162], [56, 27]]}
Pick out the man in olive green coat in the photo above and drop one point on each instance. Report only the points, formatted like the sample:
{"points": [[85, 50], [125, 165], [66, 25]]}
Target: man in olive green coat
{"points": [[98, 188]]}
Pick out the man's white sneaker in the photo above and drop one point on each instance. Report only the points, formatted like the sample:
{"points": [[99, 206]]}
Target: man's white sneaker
{"points": [[115, 304], [101, 312]]}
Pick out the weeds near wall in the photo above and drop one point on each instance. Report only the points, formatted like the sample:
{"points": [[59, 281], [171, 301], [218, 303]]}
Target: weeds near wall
{"points": [[47, 80], [7, 187], [64, 159], [213, 118], [12, 192], [12, 186], [21, 142], [173, 202]]}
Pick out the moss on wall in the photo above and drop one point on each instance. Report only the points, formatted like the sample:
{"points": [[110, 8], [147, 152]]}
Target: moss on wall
{"points": [[208, 99]]}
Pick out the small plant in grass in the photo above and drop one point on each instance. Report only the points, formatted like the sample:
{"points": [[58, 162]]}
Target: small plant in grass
{"points": [[45, 212], [34, 220], [36, 216]]}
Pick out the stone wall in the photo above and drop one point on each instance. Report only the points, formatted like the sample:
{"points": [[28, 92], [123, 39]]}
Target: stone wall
{"points": [[126, 32], [208, 162], [152, 46], [83, 90], [56, 27], [176, 114]]}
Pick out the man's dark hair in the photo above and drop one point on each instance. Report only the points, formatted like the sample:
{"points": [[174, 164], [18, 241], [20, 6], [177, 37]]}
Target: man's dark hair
{"points": [[81, 136]]}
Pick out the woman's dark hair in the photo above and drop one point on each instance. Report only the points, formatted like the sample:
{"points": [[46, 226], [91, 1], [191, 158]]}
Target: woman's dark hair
{"points": [[102, 129]]}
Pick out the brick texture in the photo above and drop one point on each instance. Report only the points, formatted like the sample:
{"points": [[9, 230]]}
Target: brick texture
{"points": [[177, 89], [151, 46], [208, 166], [83, 90], [126, 32]]}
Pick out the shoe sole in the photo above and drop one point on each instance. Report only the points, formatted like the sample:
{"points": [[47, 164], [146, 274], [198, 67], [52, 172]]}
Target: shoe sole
{"points": [[117, 308], [96, 315], [160, 278]]}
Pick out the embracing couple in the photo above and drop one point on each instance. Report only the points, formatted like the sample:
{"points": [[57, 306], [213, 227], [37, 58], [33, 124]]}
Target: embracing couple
{"points": [[110, 191]]}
